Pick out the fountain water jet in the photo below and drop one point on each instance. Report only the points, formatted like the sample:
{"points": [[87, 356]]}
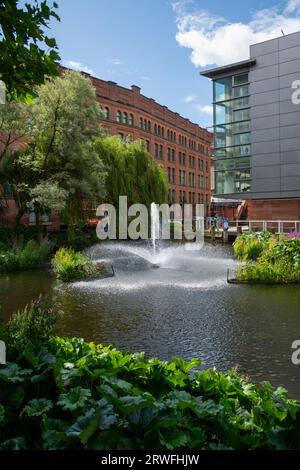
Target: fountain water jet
{"points": [[155, 226]]}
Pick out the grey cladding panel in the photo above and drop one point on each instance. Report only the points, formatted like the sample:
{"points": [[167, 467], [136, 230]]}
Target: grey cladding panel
{"points": [[290, 157], [266, 172], [264, 110], [264, 98], [265, 122], [288, 107], [262, 48], [290, 144], [263, 73], [265, 159], [290, 132], [286, 80], [290, 119], [265, 185], [265, 135], [289, 41], [292, 169], [290, 67], [264, 85], [290, 183], [265, 147], [289, 54], [266, 60]]}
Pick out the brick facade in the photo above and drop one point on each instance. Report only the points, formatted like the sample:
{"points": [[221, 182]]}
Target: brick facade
{"points": [[273, 209], [180, 146]]}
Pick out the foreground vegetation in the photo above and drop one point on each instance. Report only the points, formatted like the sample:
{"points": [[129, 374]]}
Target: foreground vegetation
{"points": [[250, 245], [25, 256], [60, 393], [70, 265], [275, 260]]}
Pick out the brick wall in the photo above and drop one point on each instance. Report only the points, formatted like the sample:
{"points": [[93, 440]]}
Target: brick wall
{"points": [[164, 130], [274, 209]]}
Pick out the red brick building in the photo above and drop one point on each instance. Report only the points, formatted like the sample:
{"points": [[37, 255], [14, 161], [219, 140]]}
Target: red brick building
{"points": [[180, 146]]}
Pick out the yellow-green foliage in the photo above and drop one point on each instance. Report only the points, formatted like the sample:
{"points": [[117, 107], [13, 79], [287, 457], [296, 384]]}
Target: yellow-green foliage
{"points": [[250, 245], [72, 265], [278, 263]]}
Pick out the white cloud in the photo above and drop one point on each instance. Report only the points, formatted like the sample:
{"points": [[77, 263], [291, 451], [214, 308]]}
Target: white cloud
{"points": [[215, 40], [144, 77], [205, 109], [189, 98], [72, 64], [116, 61]]}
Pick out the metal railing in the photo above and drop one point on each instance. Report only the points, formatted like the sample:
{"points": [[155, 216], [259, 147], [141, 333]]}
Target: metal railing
{"points": [[277, 226]]}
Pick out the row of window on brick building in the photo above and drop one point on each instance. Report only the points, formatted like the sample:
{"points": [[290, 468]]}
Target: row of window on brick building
{"points": [[145, 125], [190, 198], [202, 182]]}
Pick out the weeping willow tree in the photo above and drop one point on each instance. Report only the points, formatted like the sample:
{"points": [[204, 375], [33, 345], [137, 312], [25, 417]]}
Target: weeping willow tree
{"points": [[131, 172]]}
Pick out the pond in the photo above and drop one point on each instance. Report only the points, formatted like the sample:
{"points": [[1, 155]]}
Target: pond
{"points": [[175, 303]]}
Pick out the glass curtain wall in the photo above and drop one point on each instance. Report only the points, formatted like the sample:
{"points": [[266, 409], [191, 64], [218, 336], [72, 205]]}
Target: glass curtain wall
{"points": [[232, 134]]}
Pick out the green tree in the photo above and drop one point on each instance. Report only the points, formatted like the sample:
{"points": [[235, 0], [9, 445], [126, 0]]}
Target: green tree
{"points": [[131, 171], [58, 168], [24, 62]]}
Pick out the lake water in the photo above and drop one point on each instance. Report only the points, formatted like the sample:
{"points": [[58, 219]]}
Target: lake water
{"points": [[184, 307]]}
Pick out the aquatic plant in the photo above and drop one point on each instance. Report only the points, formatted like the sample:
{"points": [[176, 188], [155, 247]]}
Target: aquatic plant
{"points": [[72, 265], [250, 245]]}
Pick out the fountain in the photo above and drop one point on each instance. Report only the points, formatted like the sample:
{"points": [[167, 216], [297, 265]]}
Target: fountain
{"points": [[155, 226]]}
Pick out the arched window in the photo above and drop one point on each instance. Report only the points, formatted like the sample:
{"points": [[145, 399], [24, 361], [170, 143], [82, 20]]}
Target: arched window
{"points": [[141, 123], [125, 118], [155, 129], [168, 134], [158, 130], [149, 126], [106, 113], [118, 116], [174, 136], [145, 124], [163, 131], [131, 120]]}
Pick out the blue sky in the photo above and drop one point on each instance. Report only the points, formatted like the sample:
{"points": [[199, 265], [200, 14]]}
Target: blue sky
{"points": [[161, 45]]}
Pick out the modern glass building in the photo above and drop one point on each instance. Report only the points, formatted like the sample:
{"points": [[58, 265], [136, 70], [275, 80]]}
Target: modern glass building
{"points": [[256, 147], [232, 147]]}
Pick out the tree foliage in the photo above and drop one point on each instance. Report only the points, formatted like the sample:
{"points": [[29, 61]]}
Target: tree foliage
{"points": [[131, 171], [58, 168], [24, 62]]}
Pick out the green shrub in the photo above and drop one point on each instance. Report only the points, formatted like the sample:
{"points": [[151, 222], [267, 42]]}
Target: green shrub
{"points": [[32, 327], [250, 245], [72, 265], [24, 257], [76, 395], [278, 263]]}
